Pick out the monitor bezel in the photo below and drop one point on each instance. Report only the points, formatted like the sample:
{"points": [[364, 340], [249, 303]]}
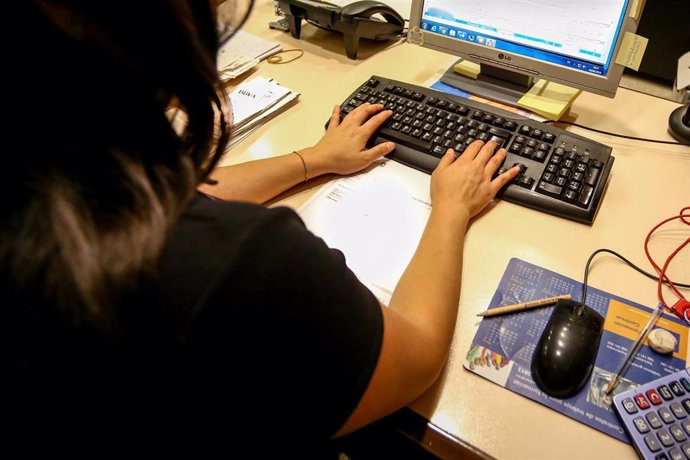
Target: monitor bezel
{"points": [[605, 85]]}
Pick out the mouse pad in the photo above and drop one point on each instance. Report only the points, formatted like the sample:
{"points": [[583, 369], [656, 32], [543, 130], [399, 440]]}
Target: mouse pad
{"points": [[502, 349]]}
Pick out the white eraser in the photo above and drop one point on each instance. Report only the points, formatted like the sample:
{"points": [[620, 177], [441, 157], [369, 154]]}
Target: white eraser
{"points": [[662, 341]]}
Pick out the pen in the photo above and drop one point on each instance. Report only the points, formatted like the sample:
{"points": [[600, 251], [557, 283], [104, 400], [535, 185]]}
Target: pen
{"points": [[623, 368], [524, 306]]}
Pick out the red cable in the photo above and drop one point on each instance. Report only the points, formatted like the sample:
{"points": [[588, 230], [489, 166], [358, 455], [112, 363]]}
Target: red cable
{"points": [[662, 275], [683, 216]]}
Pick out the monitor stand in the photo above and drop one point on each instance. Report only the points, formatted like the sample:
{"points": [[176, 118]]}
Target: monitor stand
{"points": [[493, 83], [548, 99]]}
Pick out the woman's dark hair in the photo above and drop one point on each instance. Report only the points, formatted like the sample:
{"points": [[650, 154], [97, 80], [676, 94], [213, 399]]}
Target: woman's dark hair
{"points": [[102, 174]]}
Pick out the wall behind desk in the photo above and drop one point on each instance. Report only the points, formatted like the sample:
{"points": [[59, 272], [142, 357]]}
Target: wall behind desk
{"points": [[665, 24]]}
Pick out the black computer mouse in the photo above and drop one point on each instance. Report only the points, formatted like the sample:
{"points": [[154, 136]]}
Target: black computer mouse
{"points": [[365, 9], [565, 353]]}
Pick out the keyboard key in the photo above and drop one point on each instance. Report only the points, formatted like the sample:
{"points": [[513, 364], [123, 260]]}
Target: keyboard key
{"points": [[592, 176], [570, 195], [586, 196], [665, 392], [525, 130], [526, 181], [549, 189]]}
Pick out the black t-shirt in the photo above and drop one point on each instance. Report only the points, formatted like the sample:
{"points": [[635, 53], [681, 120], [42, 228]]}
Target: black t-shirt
{"points": [[257, 336], [277, 330]]}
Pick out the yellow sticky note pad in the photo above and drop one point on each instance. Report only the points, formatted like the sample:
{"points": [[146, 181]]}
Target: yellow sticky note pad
{"points": [[467, 68], [632, 50], [549, 99], [636, 9]]}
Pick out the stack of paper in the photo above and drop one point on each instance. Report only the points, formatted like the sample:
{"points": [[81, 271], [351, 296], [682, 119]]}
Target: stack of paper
{"points": [[242, 52], [254, 102], [234, 65]]}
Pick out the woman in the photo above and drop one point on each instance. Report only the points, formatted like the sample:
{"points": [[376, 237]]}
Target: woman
{"points": [[150, 312]]}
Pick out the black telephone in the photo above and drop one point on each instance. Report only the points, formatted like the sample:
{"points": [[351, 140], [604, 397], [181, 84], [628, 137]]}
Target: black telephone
{"points": [[356, 20]]}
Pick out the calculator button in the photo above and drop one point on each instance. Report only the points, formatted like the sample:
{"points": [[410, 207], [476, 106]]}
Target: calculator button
{"points": [[629, 406], [653, 397], [665, 392], [641, 425], [675, 454], [686, 404], [677, 433], [654, 445], [654, 420], [678, 410], [664, 437], [676, 388], [686, 426], [685, 383], [666, 415], [686, 449], [641, 401], [661, 456]]}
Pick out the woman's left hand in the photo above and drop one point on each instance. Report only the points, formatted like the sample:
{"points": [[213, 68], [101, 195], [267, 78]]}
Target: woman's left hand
{"points": [[342, 150]]}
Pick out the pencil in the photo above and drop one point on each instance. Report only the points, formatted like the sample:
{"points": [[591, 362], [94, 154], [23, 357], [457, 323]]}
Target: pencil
{"points": [[524, 306]]}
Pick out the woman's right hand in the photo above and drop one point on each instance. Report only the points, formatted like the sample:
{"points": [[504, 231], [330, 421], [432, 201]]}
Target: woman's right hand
{"points": [[464, 186]]}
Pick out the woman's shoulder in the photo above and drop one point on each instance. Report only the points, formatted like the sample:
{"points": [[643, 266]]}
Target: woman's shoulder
{"points": [[206, 211], [213, 239], [225, 224]]}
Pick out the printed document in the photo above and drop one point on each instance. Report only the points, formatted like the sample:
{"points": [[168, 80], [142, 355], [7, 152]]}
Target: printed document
{"points": [[255, 102], [242, 52], [375, 218]]}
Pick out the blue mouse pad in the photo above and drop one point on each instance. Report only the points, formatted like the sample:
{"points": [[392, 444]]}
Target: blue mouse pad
{"points": [[502, 349]]}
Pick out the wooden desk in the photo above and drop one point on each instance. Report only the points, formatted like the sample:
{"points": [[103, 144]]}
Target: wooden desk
{"points": [[649, 182]]}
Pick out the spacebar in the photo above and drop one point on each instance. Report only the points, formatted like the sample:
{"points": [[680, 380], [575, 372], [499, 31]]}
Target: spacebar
{"points": [[404, 139]]}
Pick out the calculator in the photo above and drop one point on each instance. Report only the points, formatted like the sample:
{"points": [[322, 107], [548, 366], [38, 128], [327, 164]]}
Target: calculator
{"points": [[656, 416]]}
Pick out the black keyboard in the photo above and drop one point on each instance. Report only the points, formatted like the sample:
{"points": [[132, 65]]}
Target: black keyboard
{"points": [[562, 173]]}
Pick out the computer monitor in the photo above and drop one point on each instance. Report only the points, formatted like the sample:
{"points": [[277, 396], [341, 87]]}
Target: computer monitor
{"points": [[516, 42]]}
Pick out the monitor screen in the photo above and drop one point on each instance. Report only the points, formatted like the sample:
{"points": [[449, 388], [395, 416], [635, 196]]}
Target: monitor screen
{"points": [[571, 42]]}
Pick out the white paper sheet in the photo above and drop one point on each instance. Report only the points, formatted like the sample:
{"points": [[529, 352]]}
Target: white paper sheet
{"points": [[375, 218]]}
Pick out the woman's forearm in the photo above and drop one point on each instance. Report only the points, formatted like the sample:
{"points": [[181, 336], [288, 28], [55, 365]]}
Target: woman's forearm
{"points": [[261, 180]]}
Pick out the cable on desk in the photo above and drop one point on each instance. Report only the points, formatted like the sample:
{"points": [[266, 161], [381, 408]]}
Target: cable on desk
{"points": [[632, 265], [276, 59], [682, 307], [615, 134], [662, 278]]}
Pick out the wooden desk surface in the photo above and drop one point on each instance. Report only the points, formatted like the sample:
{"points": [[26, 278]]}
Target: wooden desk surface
{"points": [[649, 183]]}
